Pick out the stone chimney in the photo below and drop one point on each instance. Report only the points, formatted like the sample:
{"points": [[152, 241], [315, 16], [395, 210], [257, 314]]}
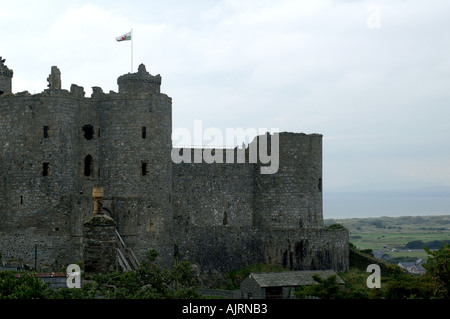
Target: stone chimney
{"points": [[99, 239]]}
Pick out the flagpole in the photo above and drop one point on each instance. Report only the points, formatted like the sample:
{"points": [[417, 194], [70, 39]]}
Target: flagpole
{"points": [[132, 50]]}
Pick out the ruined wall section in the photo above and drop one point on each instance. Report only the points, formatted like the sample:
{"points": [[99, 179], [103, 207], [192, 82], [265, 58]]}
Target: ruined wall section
{"points": [[5, 78]]}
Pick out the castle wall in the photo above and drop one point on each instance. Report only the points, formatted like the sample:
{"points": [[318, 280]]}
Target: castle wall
{"points": [[224, 249], [307, 249], [215, 194], [212, 194]]}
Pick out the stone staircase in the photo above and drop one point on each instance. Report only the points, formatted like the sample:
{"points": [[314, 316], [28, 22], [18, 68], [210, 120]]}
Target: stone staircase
{"points": [[125, 256]]}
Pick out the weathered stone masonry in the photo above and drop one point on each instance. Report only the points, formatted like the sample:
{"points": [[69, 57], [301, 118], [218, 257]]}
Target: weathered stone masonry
{"points": [[56, 146]]}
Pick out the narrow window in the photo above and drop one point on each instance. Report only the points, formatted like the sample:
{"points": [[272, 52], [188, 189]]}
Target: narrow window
{"points": [[88, 132], [225, 219], [320, 185], [21, 199], [143, 169], [45, 169], [175, 250], [144, 132], [46, 131], [88, 165]]}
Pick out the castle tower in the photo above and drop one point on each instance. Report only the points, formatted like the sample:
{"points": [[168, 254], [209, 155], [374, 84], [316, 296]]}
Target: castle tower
{"points": [[39, 170], [292, 197], [135, 165], [5, 78]]}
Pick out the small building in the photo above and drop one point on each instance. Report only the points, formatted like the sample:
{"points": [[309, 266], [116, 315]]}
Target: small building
{"points": [[414, 267], [55, 280], [281, 285]]}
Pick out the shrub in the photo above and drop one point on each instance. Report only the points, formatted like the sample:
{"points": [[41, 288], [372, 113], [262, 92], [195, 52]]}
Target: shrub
{"points": [[438, 269], [27, 286]]}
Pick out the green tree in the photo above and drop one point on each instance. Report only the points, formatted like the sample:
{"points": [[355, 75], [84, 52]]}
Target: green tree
{"points": [[438, 269], [407, 287], [27, 286], [325, 288], [415, 244], [148, 282]]}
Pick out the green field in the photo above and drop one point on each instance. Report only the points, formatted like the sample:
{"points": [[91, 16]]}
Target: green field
{"points": [[394, 232]]}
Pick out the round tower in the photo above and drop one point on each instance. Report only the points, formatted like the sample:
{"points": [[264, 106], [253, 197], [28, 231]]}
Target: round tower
{"points": [[292, 197], [135, 165], [5, 77]]}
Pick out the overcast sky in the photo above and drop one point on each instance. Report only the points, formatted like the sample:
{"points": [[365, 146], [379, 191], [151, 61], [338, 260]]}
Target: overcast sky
{"points": [[372, 76]]}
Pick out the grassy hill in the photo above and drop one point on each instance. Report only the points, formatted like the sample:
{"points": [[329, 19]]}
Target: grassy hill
{"points": [[395, 232]]}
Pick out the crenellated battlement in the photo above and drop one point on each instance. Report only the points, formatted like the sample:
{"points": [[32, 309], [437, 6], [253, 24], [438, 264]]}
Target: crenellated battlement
{"points": [[139, 82]]}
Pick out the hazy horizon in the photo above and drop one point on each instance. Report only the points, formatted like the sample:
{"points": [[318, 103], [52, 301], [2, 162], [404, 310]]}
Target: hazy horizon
{"points": [[353, 203]]}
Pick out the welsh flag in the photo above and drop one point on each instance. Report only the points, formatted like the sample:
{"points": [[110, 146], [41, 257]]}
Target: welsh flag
{"points": [[125, 37]]}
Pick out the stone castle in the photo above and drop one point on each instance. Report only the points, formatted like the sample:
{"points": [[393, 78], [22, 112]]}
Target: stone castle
{"points": [[58, 145]]}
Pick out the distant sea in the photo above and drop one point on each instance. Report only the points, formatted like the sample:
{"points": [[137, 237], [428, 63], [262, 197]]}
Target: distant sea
{"points": [[378, 204]]}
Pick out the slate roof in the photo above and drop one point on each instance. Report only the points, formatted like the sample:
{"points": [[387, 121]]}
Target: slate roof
{"points": [[411, 265], [292, 278]]}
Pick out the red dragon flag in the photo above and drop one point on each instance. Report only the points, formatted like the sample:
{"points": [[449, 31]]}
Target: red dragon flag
{"points": [[125, 37]]}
